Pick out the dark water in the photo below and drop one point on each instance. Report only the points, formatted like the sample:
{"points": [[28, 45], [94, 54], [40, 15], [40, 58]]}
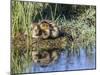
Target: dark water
{"points": [[83, 60]]}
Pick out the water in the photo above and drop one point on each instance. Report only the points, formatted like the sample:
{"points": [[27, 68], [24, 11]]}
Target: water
{"points": [[81, 61]]}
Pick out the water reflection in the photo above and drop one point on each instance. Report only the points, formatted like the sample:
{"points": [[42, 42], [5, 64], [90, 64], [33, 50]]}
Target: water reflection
{"points": [[69, 62]]}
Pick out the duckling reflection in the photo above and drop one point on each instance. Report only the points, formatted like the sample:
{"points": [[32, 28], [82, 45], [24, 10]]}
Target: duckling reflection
{"points": [[35, 55], [44, 58]]}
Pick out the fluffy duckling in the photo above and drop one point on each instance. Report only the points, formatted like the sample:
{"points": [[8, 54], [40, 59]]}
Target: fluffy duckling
{"points": [[54, 30], [45, 29], [35, 30], [49, 29]]}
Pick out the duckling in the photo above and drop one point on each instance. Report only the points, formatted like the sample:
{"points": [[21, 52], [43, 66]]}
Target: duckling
{"points": [[45, 29], [35, 30], [54, 30], [49, 28]]}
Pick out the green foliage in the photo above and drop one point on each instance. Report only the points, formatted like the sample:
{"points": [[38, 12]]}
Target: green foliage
{"points": [[77, 20]]}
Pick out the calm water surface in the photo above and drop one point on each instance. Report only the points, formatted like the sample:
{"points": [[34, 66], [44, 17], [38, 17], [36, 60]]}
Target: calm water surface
{"points": [[83, 60]]}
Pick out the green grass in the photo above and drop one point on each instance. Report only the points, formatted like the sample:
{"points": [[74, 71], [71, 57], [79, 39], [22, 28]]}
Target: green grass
{"points": [[79, 22]]}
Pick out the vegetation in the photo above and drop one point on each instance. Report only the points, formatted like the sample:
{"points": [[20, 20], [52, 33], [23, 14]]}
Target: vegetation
{"points": [[77, 20]]}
